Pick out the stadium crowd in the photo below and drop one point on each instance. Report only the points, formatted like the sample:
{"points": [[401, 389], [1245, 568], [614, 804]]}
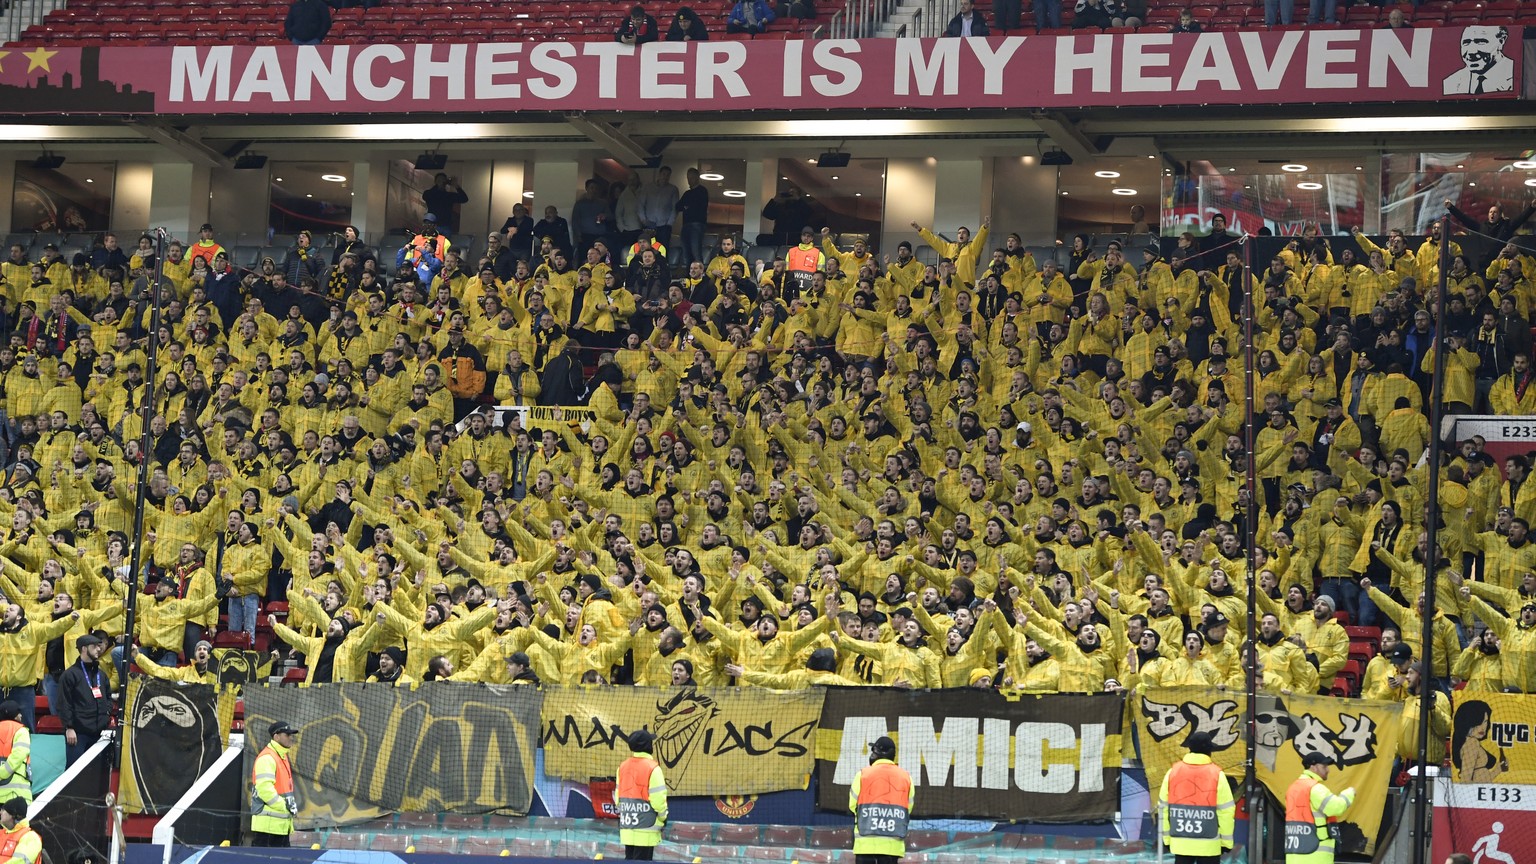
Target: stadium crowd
{"points": [[828, 466]]}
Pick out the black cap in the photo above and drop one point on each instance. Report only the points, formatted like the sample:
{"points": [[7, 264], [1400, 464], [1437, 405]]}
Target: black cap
{"points": [[883, 747], [282, 727], [17, 807], [1200, 742], [87, 640], [640, 741], [808, 230], [518, 657], [1216, 620], [1400, 653], [1315, 757]]}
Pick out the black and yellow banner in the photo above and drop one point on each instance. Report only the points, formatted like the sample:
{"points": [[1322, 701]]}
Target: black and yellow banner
{"points": [[1493, 738], [1359, 735], [366, 750], [976, 754], [720, 741], [172, 733]]}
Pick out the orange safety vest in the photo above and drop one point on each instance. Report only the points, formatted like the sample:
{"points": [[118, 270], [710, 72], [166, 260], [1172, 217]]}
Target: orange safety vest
{"points": [[885, 790], [8, 739], [633, 794], [802, 260], [10, 839], [1302, 836], [1192, 800]]}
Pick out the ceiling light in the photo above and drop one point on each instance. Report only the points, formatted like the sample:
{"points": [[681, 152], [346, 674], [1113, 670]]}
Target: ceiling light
{"points": [[1107, 175], [1063, 191], [1293, 168], [1525, 164], [1531, 182], [1123, 191], [1358, 168], [1461, 166], [1309, 186], [734, 193], [1247, 187], [834, 177], [527, 194], [308, 195], [711, 176], [89, 180], [1231, 170], [812, 161], [1471, 184], [333, 178]]}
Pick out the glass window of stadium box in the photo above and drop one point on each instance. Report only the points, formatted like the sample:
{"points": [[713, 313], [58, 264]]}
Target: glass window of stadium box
{"points": [[851, 197], [57, 196], [1282, 197], [1100, 196], [312, 195], [1415, 186], [726, 180]]}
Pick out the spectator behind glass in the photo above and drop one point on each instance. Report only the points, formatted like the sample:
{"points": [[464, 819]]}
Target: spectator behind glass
{"points": [[638, 29], [1186, 23], [687, 26], [308, 21], [967, 22], [518, 229], [1396, 21], [444, 204], [1096, 13], [590, 216], [750, 16]]}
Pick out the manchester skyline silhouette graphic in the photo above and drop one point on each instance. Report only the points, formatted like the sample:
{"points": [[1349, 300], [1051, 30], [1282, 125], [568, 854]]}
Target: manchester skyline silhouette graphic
{"points": [[81, 91]]}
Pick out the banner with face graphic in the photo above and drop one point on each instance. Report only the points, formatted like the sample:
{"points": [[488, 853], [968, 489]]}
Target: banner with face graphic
{"points": [[1359, 735], [238, 667], [172, 733], [1493, 738], [367, 750], [709, 742]]}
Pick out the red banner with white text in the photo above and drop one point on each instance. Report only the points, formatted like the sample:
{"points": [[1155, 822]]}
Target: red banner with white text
{"points": [[1075, 71]]}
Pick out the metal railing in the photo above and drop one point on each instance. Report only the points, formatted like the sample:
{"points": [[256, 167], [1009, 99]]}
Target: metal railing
{"points": [[23, 14], [860, 19]]}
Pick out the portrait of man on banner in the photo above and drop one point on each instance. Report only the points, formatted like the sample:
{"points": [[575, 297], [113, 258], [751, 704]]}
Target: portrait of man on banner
{"points": [[173, 735]]}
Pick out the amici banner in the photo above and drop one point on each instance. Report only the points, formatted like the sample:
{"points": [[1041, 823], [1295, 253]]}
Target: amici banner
{"points": [[1476, 62]]}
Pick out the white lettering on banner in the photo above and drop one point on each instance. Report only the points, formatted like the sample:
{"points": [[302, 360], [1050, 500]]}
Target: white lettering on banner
{"points": [[1269, 72], [653, 65], [1136, 62], [1209, 60], [1096, 60], [1048, 758], [263, 74], [192, 81], [720, 61], [1410, 61], [452, 70], [607, 54], [1321, 52], [937, 752], [993, 63], [829, 54], [792, 57], [549, 58], [362, 73], [853, 755], [309, 69], [995, 742], [943, 59], [491, 61]]}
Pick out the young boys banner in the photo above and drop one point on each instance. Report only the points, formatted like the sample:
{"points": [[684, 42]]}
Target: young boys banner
{"points": [[721, 741], [978, 754], [1360, 736]]}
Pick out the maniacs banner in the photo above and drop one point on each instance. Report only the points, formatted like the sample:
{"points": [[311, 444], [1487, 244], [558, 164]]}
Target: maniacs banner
{"points": [[709, 742], [1076, 71], [980, 755], [172, 733], [366, 750], [1492, 739], [1359, 735]]}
